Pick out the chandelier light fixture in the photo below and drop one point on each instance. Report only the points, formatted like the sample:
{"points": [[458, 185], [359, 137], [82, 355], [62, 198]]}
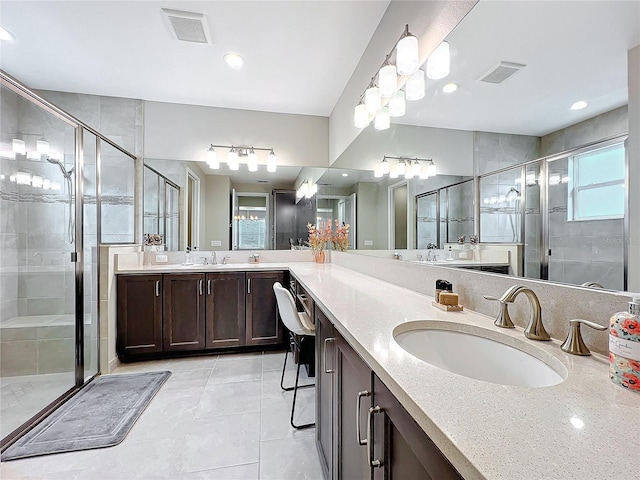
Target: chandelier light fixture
{"points": [[407, 167], [382, 98], [239, 155]]}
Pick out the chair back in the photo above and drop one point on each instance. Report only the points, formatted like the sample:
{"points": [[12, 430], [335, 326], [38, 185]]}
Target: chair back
{"points": [[288, 310]]}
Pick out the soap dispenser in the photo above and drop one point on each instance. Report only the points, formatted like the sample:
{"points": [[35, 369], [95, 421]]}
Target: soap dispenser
{"points": [[624, 346], [450, 256]]}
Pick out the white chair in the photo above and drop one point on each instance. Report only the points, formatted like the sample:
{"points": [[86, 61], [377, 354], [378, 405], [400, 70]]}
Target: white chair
{"points": [[301, 339]]}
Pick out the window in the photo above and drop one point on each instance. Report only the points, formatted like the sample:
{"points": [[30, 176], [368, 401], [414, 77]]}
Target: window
{"points": [[596, 184]]}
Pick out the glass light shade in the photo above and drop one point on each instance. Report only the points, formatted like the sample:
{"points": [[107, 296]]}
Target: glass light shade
{"points": [[42, 147], [397, 104], [415, 86], [439, 62], [408, 173], [212, 159], [36, 181], [23, 178], [531, 178], [252, 161], [377, 173], [554, 179], [18, 146], [11, 155], [388, 81], [384, 166], [393, 173], [46, 184], [565, 178], [383, 121], [407, 55], [372, 99], [232, 160], [415, 168], [424, 174], [302, 190], [400, 167], [272, 162], [361, 116], [311, 191], [432, 171]]}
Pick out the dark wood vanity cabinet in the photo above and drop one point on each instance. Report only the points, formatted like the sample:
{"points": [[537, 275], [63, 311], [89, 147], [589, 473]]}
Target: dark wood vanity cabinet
{"points": [[262, 322], [225, 317], [139, 325], [346, 388], [184, 312]]}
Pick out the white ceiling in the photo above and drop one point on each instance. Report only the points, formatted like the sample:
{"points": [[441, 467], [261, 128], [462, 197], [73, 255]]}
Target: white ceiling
{"points": [[299, 54], [573, 50]]}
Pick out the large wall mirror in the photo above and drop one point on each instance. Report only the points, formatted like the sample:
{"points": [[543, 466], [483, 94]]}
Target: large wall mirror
{"points": [[542, 184]]}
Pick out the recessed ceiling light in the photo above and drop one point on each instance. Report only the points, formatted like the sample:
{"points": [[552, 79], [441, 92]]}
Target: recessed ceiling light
{"points": [[234, 60], [5, 35], [345, 174], [579, 105], [450, 87]]}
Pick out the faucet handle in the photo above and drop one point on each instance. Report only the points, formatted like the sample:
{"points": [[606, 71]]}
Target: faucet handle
{"points": [[574, 343], [490, 297], [503, 320]]}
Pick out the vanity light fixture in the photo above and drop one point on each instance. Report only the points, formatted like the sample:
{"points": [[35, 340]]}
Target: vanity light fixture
{"points": [[416, 169], [432, 170], [383, 87], [439, 62], [579, 105], [235, 155], [306, 190], [409, 167]]}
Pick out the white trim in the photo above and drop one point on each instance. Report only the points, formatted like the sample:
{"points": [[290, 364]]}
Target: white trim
{"points": [[195, 220]]}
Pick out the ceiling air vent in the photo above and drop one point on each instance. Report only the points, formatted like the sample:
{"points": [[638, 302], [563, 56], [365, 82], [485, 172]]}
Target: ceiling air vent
{"points": [[186, 26], [501, 72]]}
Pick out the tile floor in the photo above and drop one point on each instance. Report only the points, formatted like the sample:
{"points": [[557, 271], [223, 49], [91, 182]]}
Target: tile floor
{"points": [[217, 417]]}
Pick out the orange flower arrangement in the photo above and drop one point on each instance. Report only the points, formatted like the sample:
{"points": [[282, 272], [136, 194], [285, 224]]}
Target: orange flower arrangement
{"points": [[340, 238]]}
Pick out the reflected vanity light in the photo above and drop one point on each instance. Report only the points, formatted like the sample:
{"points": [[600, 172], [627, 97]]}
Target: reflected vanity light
{"points": [[383, 121], [361, 117], [42, 147], [377, 173], [439, 62], [23, 178], [565, 178], [531, 179], [55, 186], [397, 104], [554, 179], [409, 167], [18, 146], [236, 153], [388, 80], [401, 167], [36, 181], [31, 155], [46, 184], [372, 100], [415, 86]]}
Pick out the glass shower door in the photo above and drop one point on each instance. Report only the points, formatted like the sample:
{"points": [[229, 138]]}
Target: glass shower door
{"points": [[91, 255], [37, 206], [427, 213]]}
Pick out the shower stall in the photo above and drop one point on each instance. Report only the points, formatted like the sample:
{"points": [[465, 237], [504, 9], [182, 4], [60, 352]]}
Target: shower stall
{"points": [[51, 218]]}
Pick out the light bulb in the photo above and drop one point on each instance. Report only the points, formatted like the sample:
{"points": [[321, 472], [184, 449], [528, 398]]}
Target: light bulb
{"points": [[212, 159], [252, 161], [232, 159], [272, 162], [400, 167], [361, 116], [415, 86], [18, 146], [382, 121], [388, 81], [415, 168], [439, 62], [372, 99], [431, 169], [42, 147], [407, 55], [397, 104], [384, 166]]}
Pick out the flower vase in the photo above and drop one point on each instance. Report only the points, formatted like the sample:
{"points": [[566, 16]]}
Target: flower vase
{"points": [[319, 256]]}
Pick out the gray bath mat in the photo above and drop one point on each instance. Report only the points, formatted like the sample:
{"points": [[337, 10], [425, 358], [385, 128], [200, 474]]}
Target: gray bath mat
{"points": [[100, 415]]}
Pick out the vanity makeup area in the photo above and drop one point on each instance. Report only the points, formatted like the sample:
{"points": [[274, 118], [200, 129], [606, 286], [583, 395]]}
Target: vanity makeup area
{"points": [[518, 173]]}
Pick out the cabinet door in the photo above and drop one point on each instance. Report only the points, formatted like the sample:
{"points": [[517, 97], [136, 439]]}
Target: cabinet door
{"points": [[352, 380], [225, 310], [139, 314], [184, 312], [325, 366], [405, 452], [263, 324]]}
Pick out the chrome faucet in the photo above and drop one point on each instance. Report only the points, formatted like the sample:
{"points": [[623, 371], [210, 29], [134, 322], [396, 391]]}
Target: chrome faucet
{"points": [[397, 256], [214, 258], [432, 256], [420, 258], [224, 260], [535, 328]]}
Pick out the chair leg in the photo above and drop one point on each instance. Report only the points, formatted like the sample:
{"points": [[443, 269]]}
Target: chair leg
{"points": [[292, 343], [293, 405]]}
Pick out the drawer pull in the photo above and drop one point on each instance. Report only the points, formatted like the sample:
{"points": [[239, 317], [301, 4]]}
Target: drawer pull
{"points": [[157, 288], [324, 355], [364, 393], [373, 410], [208, 287], [200, 282]]}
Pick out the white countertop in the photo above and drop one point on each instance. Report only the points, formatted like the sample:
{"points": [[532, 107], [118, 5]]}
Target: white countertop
{"points": [[200, 268], [461, 263], [486, 430]]}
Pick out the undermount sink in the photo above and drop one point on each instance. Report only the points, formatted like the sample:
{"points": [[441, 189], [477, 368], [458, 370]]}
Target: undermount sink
{"points": [[480, 353]]}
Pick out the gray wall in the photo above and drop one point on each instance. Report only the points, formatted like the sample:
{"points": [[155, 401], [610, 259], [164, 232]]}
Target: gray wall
{"points": [[633, 148]]}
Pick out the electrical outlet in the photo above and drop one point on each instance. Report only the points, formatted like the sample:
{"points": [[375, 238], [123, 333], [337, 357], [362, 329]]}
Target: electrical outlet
{"points": [[462, 254], [368, 243], [216, 243], [162, 258]]}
